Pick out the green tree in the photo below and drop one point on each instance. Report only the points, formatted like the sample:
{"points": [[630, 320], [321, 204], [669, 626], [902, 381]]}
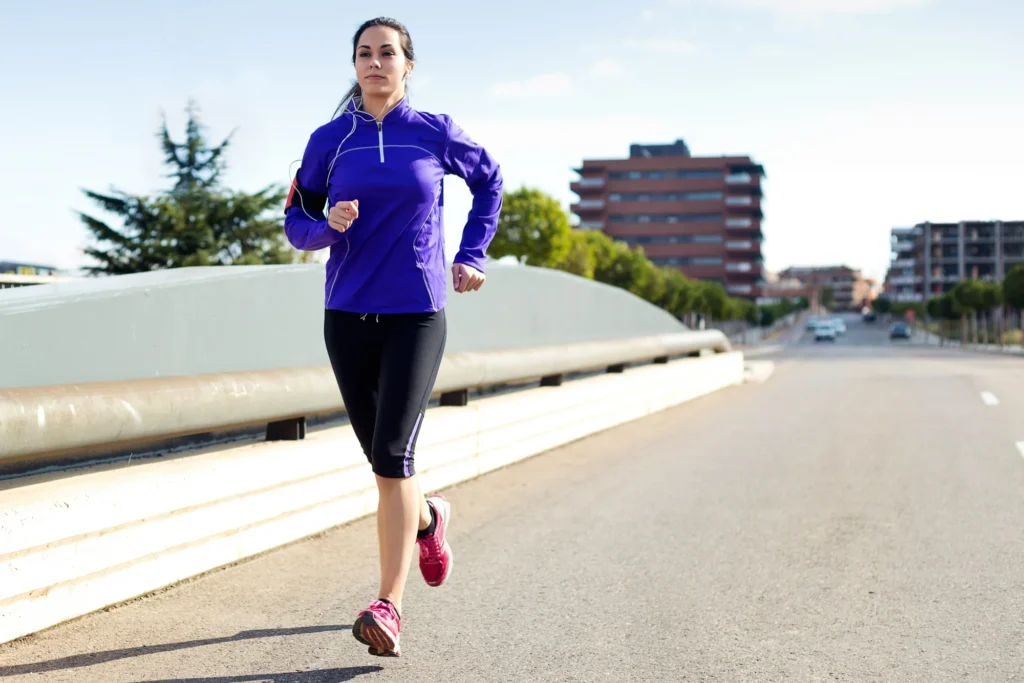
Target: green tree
{"points": [[532, 227], [620, 266], [882, 305], [934, 308], [198, 222], [1013, 291], [581, 258], [828, 296], [969, 296], [750, 312], [949, 311], [678, 295], [651, 285], [710, 299], [990, 296]]}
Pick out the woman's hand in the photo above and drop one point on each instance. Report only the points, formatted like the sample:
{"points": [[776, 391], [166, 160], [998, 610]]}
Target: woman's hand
{"points": [[466, 278], [343, 214]]}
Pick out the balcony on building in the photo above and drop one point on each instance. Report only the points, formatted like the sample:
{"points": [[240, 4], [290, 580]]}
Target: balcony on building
{"points": [[587, 185], [1013, 250], [587, 206], [1013, 232], [739, 267], [741, 245], [739, 200], [743, 173], [945, 275], [979, 232], [739, 222], [946, 254], [906, 279], [904, 263], [974, 252], [904, 245], [591, 225], [739, 289]]}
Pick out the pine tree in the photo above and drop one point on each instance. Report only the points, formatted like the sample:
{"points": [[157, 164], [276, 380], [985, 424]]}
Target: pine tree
{"points": [[197, 222]]}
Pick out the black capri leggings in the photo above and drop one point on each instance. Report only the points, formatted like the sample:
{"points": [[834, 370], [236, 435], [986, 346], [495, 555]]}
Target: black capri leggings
{"points": [[386, 366]]}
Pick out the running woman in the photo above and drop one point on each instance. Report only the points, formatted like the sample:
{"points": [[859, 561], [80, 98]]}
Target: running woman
{"points": [[379, 165]]}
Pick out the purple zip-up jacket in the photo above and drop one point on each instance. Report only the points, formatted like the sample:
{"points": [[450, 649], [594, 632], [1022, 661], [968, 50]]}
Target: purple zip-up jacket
{"points": [[392, 259]]}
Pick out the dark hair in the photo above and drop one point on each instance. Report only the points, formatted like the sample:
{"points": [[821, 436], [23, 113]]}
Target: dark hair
{"points": [[404, 39]]}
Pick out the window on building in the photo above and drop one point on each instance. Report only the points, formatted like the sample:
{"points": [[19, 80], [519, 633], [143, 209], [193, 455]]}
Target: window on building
{"points": [[671, 239], [664, 218], [664, 196], [687, 261], [663, 175]]}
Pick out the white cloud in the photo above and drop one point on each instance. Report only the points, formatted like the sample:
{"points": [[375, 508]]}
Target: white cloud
{"points": [[822, 6], [648, 15], [544, 85], [607, 68]]}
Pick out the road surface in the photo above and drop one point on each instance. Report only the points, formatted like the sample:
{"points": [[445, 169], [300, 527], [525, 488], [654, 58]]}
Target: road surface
{"points": [[856, 518]]}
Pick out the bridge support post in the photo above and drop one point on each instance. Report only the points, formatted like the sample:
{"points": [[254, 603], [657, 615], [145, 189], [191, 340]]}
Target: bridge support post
{"points": [[455, 398], [293, 429]]}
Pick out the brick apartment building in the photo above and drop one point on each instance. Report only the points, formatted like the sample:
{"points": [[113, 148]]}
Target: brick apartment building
{"points": [[701, 215], [928, 259], [850, 291]]}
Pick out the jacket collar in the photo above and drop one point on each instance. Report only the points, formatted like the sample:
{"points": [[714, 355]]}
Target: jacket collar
{"points": [[399, 111]]}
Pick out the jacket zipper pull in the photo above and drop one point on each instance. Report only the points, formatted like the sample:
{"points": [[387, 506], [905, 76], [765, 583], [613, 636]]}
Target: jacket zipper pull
{"points": [[380, 139]]}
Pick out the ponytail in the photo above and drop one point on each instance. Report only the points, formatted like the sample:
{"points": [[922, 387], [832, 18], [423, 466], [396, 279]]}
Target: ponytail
{"points": [[354, 91]]}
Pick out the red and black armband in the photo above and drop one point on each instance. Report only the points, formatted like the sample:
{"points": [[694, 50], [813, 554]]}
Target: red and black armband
{"points": [[308, 200]]}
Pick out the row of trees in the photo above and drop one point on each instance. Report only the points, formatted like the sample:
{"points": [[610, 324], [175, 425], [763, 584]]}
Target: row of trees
{"points": [[199, 222], [534, 229], [974, 303]]}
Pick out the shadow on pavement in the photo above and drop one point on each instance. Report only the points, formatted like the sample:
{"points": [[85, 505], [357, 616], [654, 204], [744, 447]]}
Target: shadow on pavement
{"points": [[321, 676], [94, 658]]}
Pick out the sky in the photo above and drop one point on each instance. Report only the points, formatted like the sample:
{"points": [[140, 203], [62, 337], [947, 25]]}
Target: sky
{"points": [[866, 114]]}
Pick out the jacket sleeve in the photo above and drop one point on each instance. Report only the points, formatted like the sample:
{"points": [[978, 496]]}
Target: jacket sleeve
{"points": [[305, 222], [471, 162]]}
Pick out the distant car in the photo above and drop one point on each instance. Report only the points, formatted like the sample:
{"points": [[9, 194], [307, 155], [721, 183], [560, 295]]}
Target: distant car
{"points": [[839, 325], [812, 323], [870, 317], [824, 331], [899, 331]]}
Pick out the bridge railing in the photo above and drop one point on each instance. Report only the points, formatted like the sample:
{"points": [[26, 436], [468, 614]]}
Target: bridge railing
{"points": [[130, 364], [59, 422]]}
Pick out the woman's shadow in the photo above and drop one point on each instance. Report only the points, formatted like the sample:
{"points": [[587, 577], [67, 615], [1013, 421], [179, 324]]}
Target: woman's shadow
{"points": [[321, 676], [94, 658]]}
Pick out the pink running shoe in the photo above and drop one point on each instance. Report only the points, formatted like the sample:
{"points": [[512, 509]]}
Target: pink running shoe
{"points": [[436, 558], [378, 627]]}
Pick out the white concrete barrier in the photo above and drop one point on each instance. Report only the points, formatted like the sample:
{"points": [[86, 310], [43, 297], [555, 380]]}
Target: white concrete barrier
{"points": [[73, 545]]}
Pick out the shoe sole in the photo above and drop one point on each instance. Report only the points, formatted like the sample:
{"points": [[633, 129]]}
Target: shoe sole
{"points": [[447, 524], [377, 638]]}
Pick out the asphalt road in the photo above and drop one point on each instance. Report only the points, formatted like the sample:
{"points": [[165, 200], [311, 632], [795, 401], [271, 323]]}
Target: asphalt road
{"points": [[856, 518]]}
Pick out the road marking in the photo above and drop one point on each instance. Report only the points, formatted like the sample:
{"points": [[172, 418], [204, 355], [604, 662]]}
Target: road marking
{"points": [[989, 398], [1020, 447]]}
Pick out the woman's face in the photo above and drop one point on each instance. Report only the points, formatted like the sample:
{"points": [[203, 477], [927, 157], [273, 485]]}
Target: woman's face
{"points": [[381, 66]]}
